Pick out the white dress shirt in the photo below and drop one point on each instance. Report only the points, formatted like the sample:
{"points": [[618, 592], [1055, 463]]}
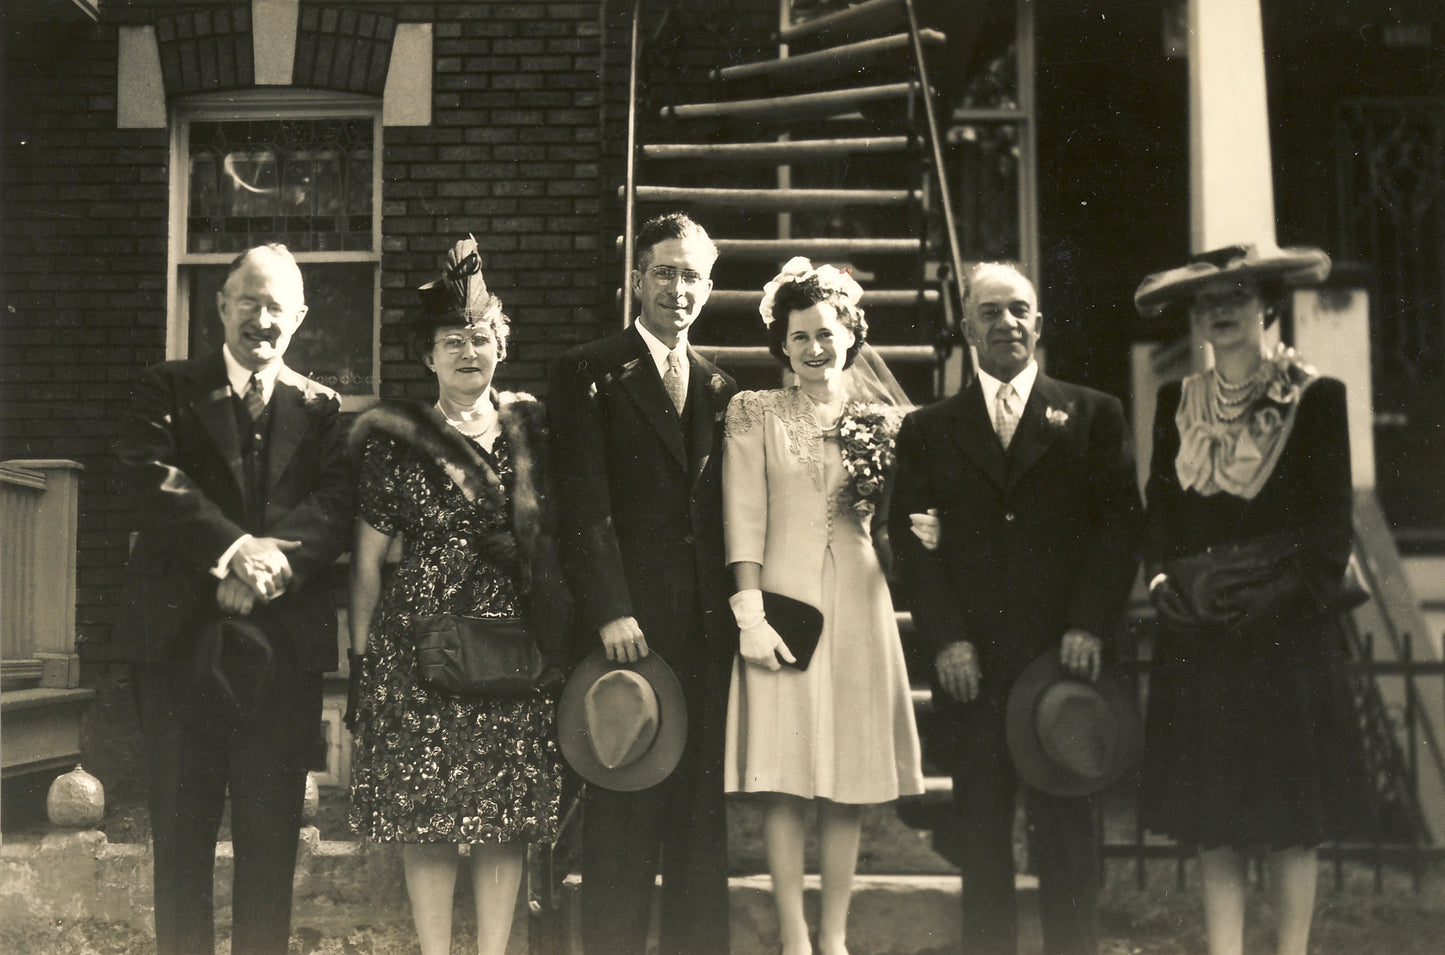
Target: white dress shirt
{"points": [[240, 379], [1023, 385], [659, 352]]}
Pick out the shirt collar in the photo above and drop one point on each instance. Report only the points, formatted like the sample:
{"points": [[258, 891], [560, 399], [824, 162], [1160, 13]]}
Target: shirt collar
{"points": [[240, 377], [1023, 384], [659, 351]]}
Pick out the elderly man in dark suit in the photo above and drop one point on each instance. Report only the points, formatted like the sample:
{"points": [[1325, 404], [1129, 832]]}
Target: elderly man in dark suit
{"points": [[1016, 519], [236, 475], [637, 428]]}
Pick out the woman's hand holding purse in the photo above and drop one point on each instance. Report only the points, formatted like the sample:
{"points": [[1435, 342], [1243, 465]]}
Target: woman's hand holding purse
{"points": [[758, 642], [1173, 608]]}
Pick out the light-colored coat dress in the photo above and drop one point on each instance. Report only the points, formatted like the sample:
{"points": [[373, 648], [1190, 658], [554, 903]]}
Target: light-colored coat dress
{"points": [[843, 729]]}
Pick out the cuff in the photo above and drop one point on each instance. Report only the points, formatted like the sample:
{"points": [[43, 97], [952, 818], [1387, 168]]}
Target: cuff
{"points": [[747, 608], [223, 566]]}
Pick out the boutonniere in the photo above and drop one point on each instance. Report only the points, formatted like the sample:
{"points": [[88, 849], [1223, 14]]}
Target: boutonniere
{"points": [[716, 384], [1056, 417]]}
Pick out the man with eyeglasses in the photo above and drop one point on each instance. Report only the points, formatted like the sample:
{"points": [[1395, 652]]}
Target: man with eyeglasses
{"points": [[1015, 525], [236, 476], [637, 432]]}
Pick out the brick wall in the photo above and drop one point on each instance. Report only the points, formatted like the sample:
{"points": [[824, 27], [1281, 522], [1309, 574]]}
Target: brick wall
{"points": [[513, 155], [83, 244]]}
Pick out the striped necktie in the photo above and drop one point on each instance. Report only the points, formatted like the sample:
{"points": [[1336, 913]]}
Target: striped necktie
{"points": [[255, 398]]}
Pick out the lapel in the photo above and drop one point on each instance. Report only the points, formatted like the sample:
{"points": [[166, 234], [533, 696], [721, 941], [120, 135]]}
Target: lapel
{"points": [[639, 378], [704, 411], [289, 421], [1034, 434], [213, 406], [974, 434]]}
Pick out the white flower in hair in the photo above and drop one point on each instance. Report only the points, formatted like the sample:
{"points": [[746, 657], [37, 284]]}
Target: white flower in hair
{"points": [[800, 269]]}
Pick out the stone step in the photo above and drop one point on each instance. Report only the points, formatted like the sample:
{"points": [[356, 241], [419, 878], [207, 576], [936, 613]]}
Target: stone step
{"points": [[355, 891], [889, 915]]}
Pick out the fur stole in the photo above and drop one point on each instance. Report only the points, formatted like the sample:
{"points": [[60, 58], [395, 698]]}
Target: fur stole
{"points": [[534, 519]]}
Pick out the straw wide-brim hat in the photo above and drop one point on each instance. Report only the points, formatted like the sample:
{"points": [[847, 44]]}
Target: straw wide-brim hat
{"points": [[622, 726], [1293, 265], [1071, 737]]}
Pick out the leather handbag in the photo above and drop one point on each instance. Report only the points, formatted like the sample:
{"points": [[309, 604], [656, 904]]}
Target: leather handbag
{"points": [[477, 656], [1216, 582]]}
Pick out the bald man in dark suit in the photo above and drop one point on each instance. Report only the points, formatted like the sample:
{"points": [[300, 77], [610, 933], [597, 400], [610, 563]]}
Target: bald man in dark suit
{"points": [[1030, 548]]}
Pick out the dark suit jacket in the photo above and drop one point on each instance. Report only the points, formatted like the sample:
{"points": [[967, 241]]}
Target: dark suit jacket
{"points": [[1033, 541], [640, 503], [181, 459]]}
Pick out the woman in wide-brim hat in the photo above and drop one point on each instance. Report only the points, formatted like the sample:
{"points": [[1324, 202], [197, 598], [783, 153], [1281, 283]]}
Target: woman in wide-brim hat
{"points": [[1251, 744], [464, 482]]}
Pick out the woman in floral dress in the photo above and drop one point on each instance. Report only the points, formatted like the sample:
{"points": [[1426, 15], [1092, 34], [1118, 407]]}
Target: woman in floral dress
{"points": [[803, 468], [462, 483]]}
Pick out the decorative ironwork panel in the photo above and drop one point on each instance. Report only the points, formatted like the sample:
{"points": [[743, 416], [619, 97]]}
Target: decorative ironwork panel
{"points": [[1391, 162], [986, 188], [996, 86], [307, 183]]}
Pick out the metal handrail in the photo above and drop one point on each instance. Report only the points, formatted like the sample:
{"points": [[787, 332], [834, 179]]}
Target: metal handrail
{"points": [[935, 143], [630, 200]]}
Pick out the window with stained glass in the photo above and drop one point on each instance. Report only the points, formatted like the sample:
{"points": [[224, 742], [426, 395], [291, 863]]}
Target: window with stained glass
{"points": [[309, 182]]}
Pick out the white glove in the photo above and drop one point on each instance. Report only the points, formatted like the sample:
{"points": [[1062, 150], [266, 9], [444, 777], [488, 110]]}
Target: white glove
{"points": [[758, 642]]}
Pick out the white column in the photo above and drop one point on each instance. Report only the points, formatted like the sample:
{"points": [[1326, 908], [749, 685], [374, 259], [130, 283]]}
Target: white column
{"points": [[1332, 332], [1231, 184]]}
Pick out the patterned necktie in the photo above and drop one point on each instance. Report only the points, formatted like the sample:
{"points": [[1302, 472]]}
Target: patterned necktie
{"points": [[1005, 419], [672, 381], [255, 398]]}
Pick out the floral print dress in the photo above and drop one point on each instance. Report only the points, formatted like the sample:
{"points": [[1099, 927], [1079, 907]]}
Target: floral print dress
{"points": [[429, 766]]}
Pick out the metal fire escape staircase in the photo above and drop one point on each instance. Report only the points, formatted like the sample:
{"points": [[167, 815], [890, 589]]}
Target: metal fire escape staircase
{"points": [[830, 150]]}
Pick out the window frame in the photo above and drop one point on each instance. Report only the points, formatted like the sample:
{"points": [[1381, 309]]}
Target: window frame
{"points": [[275, 104]]}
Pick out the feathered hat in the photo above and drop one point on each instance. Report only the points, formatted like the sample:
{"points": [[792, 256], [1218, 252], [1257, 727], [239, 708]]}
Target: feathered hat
{"points": [[460, 296]]}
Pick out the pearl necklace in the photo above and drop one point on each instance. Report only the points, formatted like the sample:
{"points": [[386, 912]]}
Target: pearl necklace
{"points": [[473, 425], [1230, 402]]}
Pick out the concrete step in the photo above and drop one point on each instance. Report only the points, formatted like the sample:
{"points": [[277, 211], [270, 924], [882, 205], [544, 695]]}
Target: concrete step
{"points": [[889, 915], [355, 892]]}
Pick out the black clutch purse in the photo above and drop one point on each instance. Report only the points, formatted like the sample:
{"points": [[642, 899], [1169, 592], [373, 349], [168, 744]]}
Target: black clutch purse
{"points": [[799, 624], [1217, 581], [477, 656]]}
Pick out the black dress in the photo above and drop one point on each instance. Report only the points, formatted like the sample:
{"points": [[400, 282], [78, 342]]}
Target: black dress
{"points": [[1251, 738], [427, 766]]}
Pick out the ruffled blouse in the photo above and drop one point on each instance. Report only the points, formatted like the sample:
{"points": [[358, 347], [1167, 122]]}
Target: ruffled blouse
{"points": [[1238, 456]]}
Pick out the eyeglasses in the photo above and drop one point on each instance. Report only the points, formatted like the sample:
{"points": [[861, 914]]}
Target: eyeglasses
{"points": [[666, 274], [453, 344], [250, 308]]}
